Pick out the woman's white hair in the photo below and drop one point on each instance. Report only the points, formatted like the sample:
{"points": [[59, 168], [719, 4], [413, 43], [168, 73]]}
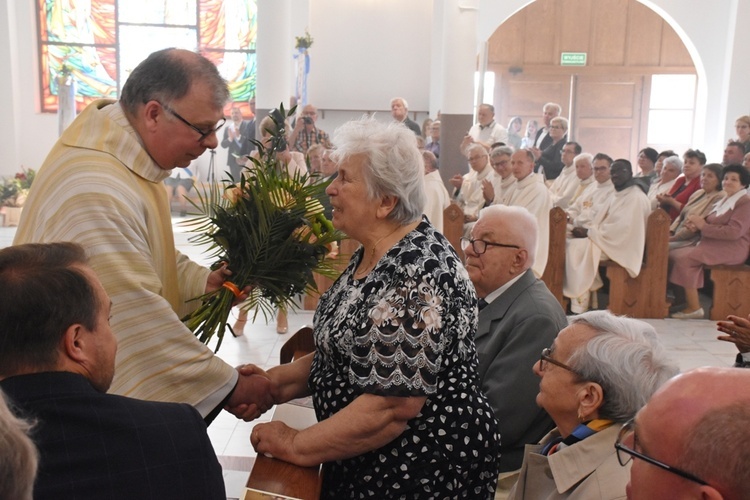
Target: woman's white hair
{"points": [[673, 160], [18, 455], [393, 165], [626, 358]]}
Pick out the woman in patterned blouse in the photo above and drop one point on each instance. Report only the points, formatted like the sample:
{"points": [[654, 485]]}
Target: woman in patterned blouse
{"points": [[394, 375]]}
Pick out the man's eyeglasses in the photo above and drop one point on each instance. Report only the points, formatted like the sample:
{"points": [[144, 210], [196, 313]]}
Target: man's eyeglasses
{"points": [[480, 246], [626, 454], [546, 357], [203, 133]]}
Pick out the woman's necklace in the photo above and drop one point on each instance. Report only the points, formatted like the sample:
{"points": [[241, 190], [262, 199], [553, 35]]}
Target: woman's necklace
{"points": [[371, 263]]}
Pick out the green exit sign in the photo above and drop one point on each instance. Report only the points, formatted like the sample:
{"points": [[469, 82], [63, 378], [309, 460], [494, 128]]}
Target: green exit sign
{"points": [[573, 59]]}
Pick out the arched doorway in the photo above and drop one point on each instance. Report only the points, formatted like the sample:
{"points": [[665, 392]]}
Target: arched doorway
{"points": [[617, 102]]}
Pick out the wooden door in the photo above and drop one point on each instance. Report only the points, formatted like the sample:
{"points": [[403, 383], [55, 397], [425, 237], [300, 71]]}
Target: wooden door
{"points": [[606, 115]]}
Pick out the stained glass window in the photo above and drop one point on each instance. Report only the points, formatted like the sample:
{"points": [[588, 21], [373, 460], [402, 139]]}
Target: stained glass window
{"points": [[99, 42]]}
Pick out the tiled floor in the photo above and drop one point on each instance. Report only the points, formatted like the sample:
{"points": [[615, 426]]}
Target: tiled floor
{"points": [[693, 343]]}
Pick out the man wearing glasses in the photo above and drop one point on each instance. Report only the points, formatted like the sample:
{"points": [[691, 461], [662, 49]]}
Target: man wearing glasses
{"points": [[518, 317], [691, 440], [101, 186]]}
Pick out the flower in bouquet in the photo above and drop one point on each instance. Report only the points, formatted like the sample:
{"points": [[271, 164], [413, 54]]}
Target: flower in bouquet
{"points": [[270, 228], [14, 190]]}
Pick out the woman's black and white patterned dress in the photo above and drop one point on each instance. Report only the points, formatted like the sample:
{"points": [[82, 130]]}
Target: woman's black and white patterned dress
{"points": [[407, 329]]}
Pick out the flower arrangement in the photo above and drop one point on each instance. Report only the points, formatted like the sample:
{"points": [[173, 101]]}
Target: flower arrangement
{"points": [[270, 228], [303, 42], [14, 190]]}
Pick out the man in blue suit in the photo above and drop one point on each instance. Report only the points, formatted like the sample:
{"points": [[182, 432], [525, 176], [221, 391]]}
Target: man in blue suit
{"points": [[57, 360], [518, 317]]}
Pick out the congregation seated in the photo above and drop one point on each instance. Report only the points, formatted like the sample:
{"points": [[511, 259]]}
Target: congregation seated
{"points": [[724, 239], [596, 375], [660, 161], [617, 234], [531, 193], [671, 169], [700, 203], [583, 209], [647, 158], [584, 165], [564, 186], [57, 362], [518, 317], [685, 185]]}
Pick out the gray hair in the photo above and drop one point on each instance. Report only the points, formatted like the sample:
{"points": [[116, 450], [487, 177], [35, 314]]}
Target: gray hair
{"points": [[403, 101], [584, 156], [393, 166], [18, 455], [626, 358], [490, 107], [553, 105], [674, 160], [717, 449], [475, 146], [501, 150], [520, 223], [167, 75]]}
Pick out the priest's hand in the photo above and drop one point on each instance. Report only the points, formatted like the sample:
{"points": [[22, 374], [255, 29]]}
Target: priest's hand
{"points": [[488, 191], [457, 181], [253, 395]]}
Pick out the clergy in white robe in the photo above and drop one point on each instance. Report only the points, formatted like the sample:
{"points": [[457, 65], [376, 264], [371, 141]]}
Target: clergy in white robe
{"points": [[503, 179], [437, 197], [584, 175], [564, 186], [670, 171], [531, 193], [618, 233], [584, 207], [468, 191]]}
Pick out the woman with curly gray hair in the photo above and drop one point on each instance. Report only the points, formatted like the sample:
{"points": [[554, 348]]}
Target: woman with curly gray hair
{"points": [[598, 373]]}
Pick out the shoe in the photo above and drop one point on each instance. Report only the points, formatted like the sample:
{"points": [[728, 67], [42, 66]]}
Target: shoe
{"points": [[697, 314]]}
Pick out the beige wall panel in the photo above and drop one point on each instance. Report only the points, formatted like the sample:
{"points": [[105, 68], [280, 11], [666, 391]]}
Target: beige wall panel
{"points": [[644, 36], [506, 46], [539, 38], [613, 100], [609, 32], [575, 26], [673, 51], [612, 140]]}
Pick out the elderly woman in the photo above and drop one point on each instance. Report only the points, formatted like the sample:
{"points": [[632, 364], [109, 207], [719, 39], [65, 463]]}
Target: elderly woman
{"points": [[394, 375], [687, 184], [742, 127], [550, 160], [725, 239], [597, 374], [700, 203], [670, 170]]}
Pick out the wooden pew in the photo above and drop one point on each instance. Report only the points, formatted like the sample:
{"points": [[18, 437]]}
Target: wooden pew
{"points": [[645, 295], [453, 227], [731, 291], [555, 270]]}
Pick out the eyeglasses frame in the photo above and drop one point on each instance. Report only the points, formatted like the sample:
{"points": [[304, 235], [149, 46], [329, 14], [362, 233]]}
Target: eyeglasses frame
{"points": [[465, 242], [628, 427], [203, 134]]}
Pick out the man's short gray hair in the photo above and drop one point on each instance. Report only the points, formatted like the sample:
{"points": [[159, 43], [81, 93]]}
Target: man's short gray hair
{"points": [[393, 164], [403, 101], [475, 146], [626, 358], [520, 223], [501, 150], [584, 156], [673, 160], [167, 75], [554, 106]]}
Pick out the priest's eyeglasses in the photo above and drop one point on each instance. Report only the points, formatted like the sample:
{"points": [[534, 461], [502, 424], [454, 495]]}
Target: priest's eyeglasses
{"points": [[625, 454], [203, 133], [480, 246]]}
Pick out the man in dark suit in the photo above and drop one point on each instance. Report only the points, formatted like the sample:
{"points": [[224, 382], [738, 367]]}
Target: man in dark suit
{"points": [[400, 113], [518, 317], [238, 135], [57, 360]]}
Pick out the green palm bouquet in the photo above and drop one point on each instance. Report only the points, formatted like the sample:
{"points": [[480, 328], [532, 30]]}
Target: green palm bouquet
{"points": [[270, 228]]}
